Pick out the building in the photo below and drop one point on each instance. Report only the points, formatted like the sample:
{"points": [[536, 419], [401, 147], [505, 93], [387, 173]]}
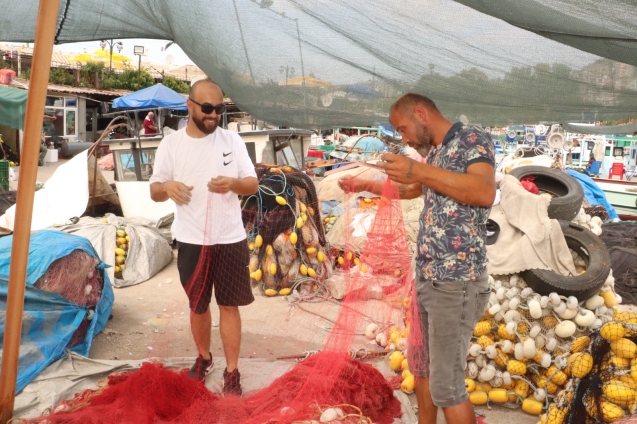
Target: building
{"points": [[76, 110]]}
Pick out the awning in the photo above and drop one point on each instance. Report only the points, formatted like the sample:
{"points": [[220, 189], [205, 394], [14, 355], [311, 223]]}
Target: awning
{"points": [[13, 104], [157, 96], [495, 62], [608, 130]]}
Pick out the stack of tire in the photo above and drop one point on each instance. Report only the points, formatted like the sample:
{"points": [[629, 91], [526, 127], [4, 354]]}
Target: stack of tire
{"points": [[567, 197]]}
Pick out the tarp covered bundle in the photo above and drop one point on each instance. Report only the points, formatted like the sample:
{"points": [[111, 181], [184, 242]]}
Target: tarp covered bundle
{"points": [[50, 320], [492, 61]]}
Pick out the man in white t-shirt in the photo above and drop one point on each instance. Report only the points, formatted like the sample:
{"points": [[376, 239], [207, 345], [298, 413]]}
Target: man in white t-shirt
{"points": [[203, 169]]}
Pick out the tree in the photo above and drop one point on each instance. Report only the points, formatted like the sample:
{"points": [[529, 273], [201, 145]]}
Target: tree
{"points": [[176, 84], [127, 80], [60, 76], [87, 74]]}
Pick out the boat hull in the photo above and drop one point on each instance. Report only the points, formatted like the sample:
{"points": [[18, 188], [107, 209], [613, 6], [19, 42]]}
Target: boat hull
{"points": [[622, 195]]}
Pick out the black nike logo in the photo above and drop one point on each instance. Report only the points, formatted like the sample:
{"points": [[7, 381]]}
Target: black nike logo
{"points": [[226, 154], [226, 163]]}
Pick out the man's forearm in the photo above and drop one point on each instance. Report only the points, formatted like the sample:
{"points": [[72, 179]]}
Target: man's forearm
{"points": [[158, 192], [468, 188], [405, 191], [245, 186]]}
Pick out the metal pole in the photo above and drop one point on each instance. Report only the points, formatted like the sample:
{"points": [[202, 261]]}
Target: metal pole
{"points": [[139, 71], [298, 34], [44, 37], [111, 66]]}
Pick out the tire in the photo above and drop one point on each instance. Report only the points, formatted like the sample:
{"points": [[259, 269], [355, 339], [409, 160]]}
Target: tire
{"points": [[568, 192], [583, 286]]}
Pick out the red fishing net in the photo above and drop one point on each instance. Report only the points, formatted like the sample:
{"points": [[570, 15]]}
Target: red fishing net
{"points": [[341, 375], [76, 278]]}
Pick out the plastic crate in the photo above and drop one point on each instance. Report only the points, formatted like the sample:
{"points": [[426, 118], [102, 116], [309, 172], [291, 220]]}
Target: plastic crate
{"points": [[327, 147], [4, 174]]}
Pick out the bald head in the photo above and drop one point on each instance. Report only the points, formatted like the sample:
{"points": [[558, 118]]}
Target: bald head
{"points": [[206, 85], [406, 104]]}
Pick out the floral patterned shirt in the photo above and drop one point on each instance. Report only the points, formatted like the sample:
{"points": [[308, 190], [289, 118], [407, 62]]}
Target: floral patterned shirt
{"points": [[451, 240]]}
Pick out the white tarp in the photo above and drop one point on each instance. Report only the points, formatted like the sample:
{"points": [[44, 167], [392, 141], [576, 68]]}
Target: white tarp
{"points": [[64, 196]]}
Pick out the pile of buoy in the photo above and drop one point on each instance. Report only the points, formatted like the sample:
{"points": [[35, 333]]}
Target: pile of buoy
{"points": [[121, 251], [527, 348]]}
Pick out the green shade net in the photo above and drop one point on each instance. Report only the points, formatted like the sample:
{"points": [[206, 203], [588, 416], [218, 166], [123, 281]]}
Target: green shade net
{"points": [[328, 62], [13, 103]]}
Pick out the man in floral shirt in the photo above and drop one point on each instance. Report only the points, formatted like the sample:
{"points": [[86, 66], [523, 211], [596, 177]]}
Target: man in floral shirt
{"points": [[458, 183]]}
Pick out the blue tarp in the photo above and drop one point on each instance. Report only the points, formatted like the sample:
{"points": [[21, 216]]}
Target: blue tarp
{"points": [[360, 91], [367, 144], [157, 96], [389, 131], [50, 320], [592, 193]]}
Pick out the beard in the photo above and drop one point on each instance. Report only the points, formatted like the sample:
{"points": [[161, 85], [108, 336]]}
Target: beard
{"points": [[205, 124], [423, 140]]}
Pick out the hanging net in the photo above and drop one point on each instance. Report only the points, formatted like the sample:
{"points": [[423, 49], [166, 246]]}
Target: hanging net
{"points": [[328, 63], [356, 351]]}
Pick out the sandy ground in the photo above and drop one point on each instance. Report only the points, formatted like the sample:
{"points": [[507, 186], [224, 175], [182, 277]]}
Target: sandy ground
{"points": [[151, 319]]}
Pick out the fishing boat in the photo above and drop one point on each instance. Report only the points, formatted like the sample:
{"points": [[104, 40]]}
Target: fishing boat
{"points": [[622, 195]]}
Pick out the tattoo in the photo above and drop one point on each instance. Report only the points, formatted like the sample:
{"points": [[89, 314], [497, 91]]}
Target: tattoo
{"points": [[410, 171], [402, 191]]}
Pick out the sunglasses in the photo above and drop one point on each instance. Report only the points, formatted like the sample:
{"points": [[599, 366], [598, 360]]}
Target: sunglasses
{"points": [[207, 108]]}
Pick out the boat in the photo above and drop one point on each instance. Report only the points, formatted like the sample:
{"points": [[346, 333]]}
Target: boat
{"points": [[622, 195]]}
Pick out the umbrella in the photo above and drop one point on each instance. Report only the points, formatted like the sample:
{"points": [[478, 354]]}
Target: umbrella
{"points": [[103, 56], [309, 82], [156, 96]]}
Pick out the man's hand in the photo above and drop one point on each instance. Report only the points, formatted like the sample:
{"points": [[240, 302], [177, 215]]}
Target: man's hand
{"points": [[400, 169], [348, 184], [178, 192], [221, 185]]}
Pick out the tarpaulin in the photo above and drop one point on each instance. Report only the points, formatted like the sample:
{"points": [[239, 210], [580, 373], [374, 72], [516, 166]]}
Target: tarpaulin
{"points": [[157, 96], [13, 104], [592, 193], [50, 320]]}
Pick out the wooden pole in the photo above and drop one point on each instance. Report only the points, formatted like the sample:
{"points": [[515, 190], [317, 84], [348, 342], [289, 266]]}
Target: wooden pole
{"points": [[43, 49]]}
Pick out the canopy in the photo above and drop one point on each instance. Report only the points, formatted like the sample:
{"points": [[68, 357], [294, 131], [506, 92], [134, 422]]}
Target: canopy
{"points": [[496, 62], [309, 82], [603, 130], [13, 103], [103, 56], [157, 96]]}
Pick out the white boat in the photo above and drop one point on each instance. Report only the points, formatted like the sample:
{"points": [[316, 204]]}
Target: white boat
{"points": [[622, 195]]}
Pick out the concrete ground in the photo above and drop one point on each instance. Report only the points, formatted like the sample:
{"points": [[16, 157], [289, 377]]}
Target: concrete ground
{"points": [[151, 319]]}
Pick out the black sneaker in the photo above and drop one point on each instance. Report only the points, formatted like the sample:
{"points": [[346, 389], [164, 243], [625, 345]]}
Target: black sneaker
{"points": [[232, 382], [200, 368], [40, 163]]}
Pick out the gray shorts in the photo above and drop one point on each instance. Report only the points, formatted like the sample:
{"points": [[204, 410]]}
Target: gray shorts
{"points": [[449, 311]]}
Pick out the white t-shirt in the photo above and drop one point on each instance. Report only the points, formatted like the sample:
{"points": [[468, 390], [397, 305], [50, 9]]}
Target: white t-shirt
{"points": [[209, 218]]}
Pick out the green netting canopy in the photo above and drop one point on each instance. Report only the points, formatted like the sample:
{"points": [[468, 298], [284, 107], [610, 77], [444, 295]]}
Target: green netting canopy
{"points": [[332, 62], [13, 103]]}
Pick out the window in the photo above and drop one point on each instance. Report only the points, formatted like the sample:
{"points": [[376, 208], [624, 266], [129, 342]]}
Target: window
{"points": [[61, 117]]}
